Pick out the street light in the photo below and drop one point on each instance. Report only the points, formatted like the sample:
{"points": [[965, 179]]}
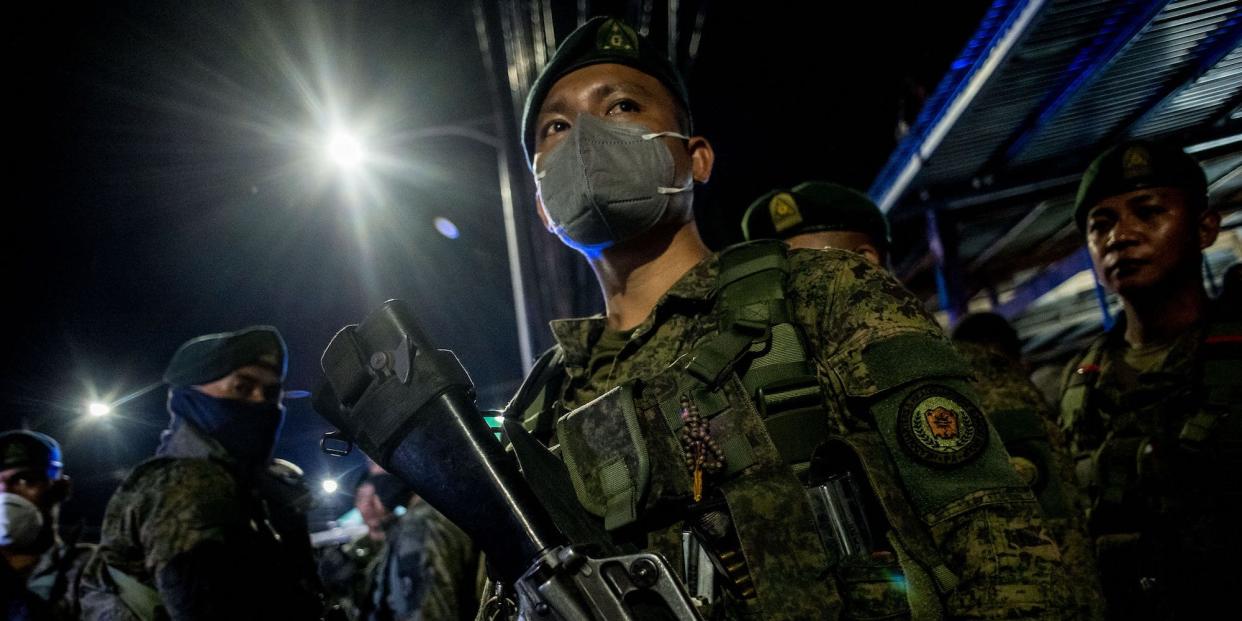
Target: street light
{"points": [[100, 409], [344, 149]]}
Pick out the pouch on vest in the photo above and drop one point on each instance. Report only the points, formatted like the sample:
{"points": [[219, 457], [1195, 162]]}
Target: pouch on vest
{"points": [[604, 450], [890, 519]]}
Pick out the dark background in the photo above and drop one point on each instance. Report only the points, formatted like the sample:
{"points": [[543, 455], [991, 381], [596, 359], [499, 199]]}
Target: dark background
{"points": [[165, 181]]}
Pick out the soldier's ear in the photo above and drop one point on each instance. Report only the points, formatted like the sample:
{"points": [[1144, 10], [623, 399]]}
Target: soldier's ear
{"points": [[702, 158], [1209, 227], [870, 253], [60, 490]]}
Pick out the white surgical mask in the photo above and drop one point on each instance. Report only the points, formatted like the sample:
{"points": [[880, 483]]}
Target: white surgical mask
{"points": [[20, 522]]}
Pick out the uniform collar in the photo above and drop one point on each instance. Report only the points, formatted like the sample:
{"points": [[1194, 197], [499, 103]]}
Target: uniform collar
{"points": [[576, 337]]}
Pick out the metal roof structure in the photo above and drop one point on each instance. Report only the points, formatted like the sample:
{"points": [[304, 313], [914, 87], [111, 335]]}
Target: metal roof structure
{"points": [[1042, 86]]}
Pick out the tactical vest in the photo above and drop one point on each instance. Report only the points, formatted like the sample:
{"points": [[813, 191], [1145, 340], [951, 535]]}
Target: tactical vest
{"points": [[1146, 486], [756, 386]]}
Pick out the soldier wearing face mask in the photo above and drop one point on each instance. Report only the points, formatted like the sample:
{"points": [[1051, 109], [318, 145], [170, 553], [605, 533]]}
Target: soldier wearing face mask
{"points": [[726, 401], [195, 532], [36, 554]]}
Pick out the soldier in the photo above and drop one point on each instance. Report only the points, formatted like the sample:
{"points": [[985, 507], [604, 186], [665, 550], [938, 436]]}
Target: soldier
{"points": [[31, 469], [426, 568], [1151, 408], [694, 415], [826, 215], [193, 533]]}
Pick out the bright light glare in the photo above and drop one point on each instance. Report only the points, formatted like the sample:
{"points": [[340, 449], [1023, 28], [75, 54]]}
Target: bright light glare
{"points": [[344, 149], [330, 486], [98, 409]]}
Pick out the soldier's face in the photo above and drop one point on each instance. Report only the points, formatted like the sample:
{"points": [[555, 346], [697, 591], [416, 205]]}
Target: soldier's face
{"points": [[619, 93], [374, 515], [30, 484], [1142, 240], [252, 383]]}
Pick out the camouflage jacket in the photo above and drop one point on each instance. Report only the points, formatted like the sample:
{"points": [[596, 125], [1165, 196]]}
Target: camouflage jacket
{"points": [[187, 525], [1042, 458], [425, 571], [1162, 470], [56, 578], [881, 363]]}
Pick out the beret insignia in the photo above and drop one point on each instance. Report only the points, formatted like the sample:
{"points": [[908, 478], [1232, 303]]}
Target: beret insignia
{"points": [[1136, 163], [615, 36], [784, 212]]}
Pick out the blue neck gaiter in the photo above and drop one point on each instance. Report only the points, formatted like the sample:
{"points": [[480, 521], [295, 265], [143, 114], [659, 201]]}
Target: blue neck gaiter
{"points": [[247, 431]]}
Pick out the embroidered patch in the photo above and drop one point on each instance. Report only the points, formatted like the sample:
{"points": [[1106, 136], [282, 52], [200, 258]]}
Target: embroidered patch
{"points": [[784, 212], [940, 427], [615, 36], [1135, 163]]}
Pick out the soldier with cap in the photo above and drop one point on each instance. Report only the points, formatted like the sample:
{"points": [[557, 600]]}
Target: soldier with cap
{"points": [[723, 395], [818, 214], [1152, 409], [193, 533], [426, 568], [33, 484]]}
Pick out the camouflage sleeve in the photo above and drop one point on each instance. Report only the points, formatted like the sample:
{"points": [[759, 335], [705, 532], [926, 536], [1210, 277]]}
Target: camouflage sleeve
{"points": [[446, 566], [185, 504], [1046, 463], [183, 514], [894, 374]]}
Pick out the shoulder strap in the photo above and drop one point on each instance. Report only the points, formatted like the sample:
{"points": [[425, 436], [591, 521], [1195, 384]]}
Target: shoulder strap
{"points": [[1222, 365], [533, 402], [1220, 356], [759, 340], [138, 597], [1081, 379]]}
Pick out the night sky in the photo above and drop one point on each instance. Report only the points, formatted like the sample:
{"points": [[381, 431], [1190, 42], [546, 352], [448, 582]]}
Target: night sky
{"points": [[167, 181]]}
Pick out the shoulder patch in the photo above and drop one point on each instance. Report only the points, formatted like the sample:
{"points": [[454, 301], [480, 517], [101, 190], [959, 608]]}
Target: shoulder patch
{"points": [[940, 427]]}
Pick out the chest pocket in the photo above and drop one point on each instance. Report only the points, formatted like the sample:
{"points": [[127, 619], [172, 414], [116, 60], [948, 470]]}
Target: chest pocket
{"points": [[605, 451]]}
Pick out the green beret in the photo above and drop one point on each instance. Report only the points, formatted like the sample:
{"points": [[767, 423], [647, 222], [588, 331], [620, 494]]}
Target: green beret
{"points": [[1135, 165], [208, 358], [812, 207], [601, 40], [30, 449]]}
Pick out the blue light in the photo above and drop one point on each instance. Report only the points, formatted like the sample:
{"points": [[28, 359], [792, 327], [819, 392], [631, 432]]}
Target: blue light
{"points": [[446, 227]]}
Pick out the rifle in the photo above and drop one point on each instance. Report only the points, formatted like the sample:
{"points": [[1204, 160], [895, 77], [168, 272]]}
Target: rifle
{"points": [[410, 407]]}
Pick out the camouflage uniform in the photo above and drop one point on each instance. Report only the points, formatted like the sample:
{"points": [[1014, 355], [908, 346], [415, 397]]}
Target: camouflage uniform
{"points": [[1157, 450], [343, 570], [188, 533], [967, 530], [425, 571], [57, 577], [1040, 455]]}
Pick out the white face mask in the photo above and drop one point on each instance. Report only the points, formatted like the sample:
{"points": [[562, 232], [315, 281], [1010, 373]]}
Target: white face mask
{"points": [[20, 522]]}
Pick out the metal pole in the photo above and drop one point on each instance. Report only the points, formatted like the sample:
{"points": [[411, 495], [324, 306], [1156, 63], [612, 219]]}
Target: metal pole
{"points": [[515, 262], [512, 250]]}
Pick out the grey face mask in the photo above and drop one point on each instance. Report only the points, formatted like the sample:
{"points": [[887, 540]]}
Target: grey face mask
{"points": [[607, 182]]}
